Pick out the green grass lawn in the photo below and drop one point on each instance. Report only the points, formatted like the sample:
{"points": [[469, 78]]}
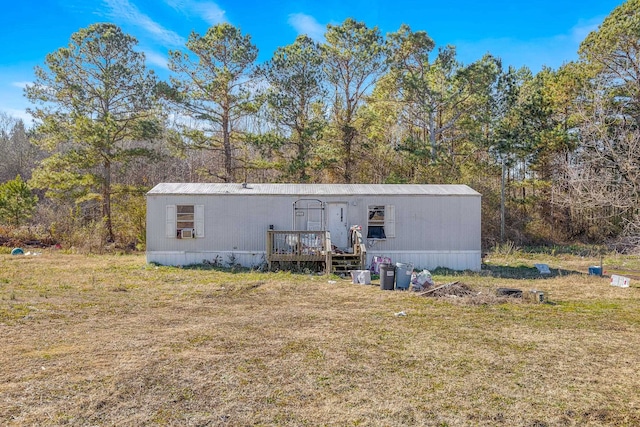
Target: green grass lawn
{"points": [[109, 340]]}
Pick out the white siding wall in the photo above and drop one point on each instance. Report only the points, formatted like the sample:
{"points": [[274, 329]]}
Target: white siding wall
{"points": [[430, 231]]}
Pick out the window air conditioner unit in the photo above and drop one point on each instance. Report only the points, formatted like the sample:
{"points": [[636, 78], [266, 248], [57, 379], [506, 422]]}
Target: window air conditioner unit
{"points": [[187, 233]]}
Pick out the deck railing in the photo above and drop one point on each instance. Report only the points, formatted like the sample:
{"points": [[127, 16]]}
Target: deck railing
{"points": [[298, 246], [304, 246]]}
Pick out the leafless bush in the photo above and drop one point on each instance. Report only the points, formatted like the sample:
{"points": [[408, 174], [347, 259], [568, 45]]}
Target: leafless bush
{"points": [[598, 184]]}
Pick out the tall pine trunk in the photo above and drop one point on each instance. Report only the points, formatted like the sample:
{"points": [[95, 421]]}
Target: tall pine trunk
{"points": [[106, 201]]}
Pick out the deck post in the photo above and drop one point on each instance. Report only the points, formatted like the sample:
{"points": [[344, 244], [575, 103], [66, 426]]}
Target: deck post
{"points": [[329, 252], [269, 249]]}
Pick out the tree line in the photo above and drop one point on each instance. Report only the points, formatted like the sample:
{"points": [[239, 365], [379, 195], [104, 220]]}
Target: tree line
{"points": [[555, 154]]}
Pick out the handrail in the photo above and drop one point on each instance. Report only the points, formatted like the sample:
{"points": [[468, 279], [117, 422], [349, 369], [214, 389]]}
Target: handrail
{"points": [[295, 242], [359, 248]]}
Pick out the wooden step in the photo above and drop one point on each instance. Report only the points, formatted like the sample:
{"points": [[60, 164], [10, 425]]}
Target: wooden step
{"points": [[343, 263]]}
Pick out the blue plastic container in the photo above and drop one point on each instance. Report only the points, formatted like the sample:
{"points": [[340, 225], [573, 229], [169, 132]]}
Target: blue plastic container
{"points": [[595, 270], [403, 275]]}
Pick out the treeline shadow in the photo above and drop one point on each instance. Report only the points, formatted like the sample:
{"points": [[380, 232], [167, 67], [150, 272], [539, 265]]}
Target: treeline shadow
{"points": [[507, 272], [523, 272]]}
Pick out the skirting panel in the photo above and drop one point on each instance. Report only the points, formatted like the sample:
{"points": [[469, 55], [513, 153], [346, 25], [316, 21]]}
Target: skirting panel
{"points": [[455, 260], [223, 259], [430, 260]]}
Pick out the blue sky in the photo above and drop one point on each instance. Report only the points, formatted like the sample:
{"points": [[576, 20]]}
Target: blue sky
{"points": [[532, 33]]}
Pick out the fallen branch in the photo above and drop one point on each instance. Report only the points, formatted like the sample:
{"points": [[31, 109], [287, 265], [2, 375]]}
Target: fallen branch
{"points": [[439, 287]]}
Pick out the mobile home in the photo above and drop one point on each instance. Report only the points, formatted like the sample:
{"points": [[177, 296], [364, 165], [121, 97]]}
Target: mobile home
{"points": [[428, 226]]}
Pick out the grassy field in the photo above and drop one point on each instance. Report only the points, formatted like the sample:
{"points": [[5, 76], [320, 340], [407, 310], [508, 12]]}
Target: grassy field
{"points": [[109, 340]]}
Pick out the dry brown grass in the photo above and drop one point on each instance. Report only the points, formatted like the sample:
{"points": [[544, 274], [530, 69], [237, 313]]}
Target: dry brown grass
{"points": [[107, 340]]}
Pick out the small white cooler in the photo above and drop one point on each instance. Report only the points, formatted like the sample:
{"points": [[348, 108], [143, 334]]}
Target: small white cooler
{"points": [[362, 277]]}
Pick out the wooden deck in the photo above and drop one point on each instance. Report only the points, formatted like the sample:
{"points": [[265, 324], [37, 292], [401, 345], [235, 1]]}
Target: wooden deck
{"points": [[300, 247]]}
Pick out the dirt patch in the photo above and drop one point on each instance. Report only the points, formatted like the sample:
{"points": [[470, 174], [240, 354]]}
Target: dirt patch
{"points": [[462, 293], [457, 289]]}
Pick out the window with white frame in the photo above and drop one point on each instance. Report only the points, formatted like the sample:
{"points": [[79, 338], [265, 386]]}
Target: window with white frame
{"points": [[381, 222], [185, 221]]}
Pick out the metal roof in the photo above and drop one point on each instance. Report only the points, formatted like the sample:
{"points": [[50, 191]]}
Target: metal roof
{"points": [[312, 189]]}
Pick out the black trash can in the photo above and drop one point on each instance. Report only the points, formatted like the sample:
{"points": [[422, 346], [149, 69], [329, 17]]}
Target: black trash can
{"points": [[387, 276]]}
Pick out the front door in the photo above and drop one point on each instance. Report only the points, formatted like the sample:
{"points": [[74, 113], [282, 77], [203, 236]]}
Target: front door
{"points": [[337, 224]]}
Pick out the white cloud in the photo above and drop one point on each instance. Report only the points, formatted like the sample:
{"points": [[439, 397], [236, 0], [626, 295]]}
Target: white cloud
{"points": [[123, 9], [208, 11], [306, 24], [19, 114], [176, 4], [157, 59], [582, 29], [12, 100], [21, 85]]}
